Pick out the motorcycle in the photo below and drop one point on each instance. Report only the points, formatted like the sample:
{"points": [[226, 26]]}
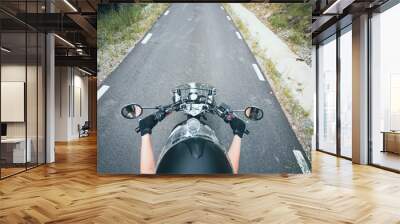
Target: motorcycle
{"points": [[193, 147]]}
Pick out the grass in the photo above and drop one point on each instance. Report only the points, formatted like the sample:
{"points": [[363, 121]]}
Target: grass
{"points": [[118, 30], [292, 23], [116, 22], [298, 117], [293, 17]]}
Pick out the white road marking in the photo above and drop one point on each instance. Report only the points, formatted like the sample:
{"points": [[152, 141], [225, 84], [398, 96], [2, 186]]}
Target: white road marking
{"points": [[103, 89], [222, 7], [229, 18], [238, 35], [258, 72], [166, 13], [147, 38], [301, 161]]}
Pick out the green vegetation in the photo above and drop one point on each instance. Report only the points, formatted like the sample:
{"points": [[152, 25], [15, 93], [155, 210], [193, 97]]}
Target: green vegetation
{"points": [[293, 17], [117, 21], [119, 27]]}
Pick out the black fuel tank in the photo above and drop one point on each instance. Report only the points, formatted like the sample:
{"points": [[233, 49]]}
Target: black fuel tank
{"points": [[194, 156]]}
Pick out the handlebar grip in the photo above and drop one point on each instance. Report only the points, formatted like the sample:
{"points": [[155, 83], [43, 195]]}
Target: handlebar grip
{"points": [[247, 132], [160, 115], [137, 129]]}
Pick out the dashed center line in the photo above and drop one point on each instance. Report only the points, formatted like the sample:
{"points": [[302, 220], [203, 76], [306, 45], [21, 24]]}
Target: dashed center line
{"points": [[103, 89], [147, 38], [301, 161], [166, 13], [238, 35], [258, 72], [229, 18]]}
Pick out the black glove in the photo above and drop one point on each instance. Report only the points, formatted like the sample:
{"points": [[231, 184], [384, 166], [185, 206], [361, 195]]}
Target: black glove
{"points": [[238, 126], [147, 123]]}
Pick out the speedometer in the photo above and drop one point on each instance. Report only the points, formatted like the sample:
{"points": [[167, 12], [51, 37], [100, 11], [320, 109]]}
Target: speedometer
{"points": [[193, 96]]}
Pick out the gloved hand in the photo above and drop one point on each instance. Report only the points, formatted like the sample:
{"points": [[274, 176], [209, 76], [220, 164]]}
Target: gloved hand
{"points": [[147, 123], [238, 126]]}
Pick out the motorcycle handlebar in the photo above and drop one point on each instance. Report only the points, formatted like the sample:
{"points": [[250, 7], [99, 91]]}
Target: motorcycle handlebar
{"points": [[223, 111], [247, 132]]}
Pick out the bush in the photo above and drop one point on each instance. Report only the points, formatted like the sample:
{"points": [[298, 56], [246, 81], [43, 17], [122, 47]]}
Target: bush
{"points": [[296, 38], [278, 21]]}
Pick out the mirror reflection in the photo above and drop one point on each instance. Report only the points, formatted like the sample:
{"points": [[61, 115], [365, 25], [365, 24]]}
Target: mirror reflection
{"points": [[254, 113], [132, 111]]}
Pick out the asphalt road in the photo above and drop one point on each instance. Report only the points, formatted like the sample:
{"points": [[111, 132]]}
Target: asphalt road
{"points": [[193, 43]]}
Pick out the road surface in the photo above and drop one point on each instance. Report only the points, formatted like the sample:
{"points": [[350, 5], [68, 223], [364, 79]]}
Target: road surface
{"points": [[193, 43]]}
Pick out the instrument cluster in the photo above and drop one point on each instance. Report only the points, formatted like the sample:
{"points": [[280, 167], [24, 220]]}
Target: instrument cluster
{"points": [[194, 98]]}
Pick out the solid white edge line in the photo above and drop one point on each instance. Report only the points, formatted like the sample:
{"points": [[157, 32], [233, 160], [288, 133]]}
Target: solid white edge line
{"points": [[238, 35], [301, 161], [147, 38], [229, 18], [166, 13], [103, 89], [258, 72]]}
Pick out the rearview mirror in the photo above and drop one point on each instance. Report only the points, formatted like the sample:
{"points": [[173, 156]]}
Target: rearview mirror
{"points": [[254, 113], [131, 111]]}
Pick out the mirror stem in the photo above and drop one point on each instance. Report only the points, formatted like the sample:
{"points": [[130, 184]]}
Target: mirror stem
{"points": [[149, 108]]}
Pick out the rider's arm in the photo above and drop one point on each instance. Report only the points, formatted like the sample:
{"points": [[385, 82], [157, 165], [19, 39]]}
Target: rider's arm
{"points": [[238, 126], [234, 153], [147, 165]]}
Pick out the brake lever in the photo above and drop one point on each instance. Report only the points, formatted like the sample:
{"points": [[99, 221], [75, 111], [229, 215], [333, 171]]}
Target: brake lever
{"points": [[247, 132]]}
